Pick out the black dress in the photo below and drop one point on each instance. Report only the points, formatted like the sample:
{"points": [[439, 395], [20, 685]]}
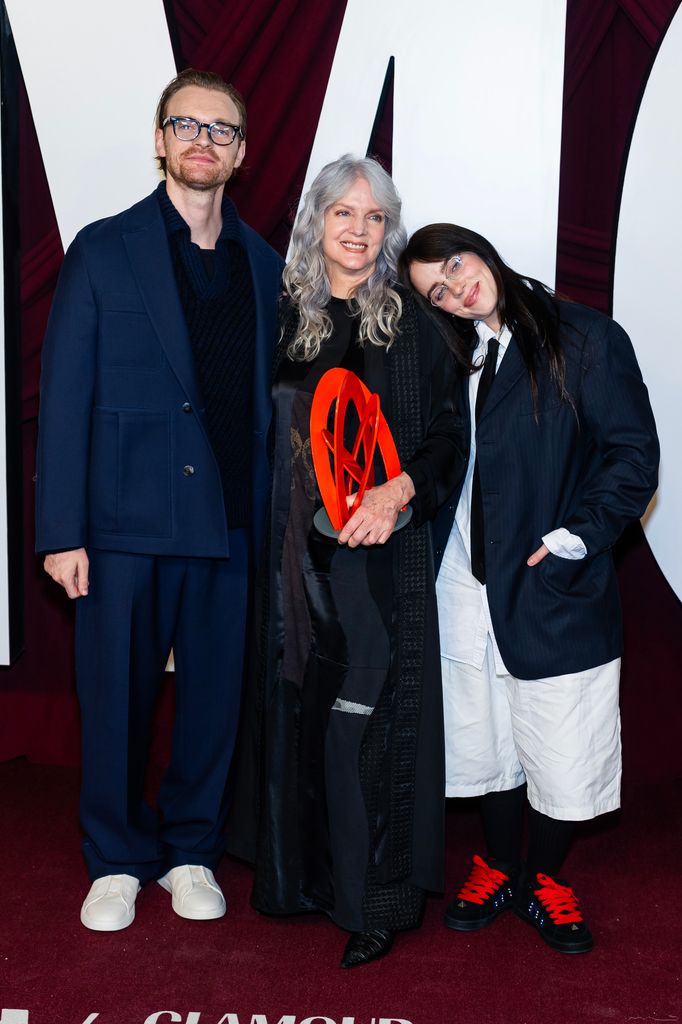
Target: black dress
{"points": [[349, 717]]}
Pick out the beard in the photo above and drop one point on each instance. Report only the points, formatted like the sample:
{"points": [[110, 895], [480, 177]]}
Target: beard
{"points": [[198, 177]]}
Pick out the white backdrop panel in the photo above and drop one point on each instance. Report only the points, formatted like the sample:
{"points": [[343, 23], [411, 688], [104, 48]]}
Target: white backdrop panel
{"points": [[483, 84], [93, 74], [4, 578], [647, 282]]}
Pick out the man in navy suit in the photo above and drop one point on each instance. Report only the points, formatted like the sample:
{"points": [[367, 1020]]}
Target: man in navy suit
{"points": [[152, 483]]}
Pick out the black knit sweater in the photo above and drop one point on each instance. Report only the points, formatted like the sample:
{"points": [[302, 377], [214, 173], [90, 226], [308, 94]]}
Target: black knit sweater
{"points": [[216, 293]]}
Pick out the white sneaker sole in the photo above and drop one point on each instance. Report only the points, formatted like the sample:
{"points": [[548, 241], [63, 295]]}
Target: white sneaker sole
{"points": [[94, 926]]}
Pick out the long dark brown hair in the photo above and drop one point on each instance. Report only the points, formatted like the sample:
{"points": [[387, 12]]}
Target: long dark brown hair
{"points": [[531, 313]]}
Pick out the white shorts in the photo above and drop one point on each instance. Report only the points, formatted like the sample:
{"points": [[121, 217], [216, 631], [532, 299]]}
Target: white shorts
{"points": [[560, 734]]}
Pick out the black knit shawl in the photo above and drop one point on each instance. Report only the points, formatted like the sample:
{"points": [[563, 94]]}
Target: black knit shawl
{"points": [[394, 724]]}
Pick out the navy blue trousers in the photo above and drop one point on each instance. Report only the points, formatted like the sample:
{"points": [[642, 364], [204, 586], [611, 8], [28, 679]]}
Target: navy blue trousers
{"points": [[138, 607]]}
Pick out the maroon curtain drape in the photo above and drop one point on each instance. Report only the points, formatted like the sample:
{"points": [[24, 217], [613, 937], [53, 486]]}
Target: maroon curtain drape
{"points": [[279, 54], [609, 50], [610, 47]]}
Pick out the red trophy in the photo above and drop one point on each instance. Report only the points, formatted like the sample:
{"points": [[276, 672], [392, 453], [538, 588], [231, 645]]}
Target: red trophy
{"points": [[338, 470]]}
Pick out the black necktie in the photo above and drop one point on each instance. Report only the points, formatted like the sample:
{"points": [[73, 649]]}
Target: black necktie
{"points": [[477, 534]]}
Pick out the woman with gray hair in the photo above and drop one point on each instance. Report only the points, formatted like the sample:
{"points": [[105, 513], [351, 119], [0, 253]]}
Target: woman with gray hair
{"points": [[349, 702]]}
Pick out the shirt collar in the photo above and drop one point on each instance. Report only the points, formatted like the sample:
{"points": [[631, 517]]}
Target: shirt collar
{"points": [[175, 222], [485, 333]]}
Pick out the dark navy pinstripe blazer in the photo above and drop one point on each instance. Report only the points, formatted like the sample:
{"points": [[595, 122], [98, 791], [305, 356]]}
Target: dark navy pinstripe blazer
{"points": [[591, 473]]}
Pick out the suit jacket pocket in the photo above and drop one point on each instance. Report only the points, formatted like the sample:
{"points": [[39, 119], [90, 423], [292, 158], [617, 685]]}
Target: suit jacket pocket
{"points": [[144, 487], [576, 577], [130, 473], [127, 337], [547, 405]]}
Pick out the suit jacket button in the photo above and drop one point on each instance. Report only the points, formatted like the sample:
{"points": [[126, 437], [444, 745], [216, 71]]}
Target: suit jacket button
{"points": [[186, 407], [188, 470]]}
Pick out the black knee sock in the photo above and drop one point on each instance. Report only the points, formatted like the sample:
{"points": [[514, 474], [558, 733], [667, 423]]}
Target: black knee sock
{"points": [[502, 815], [548, 842]]}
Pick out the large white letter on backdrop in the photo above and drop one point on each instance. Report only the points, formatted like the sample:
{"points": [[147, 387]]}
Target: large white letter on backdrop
{"points": [[4, 567], [647, 282], [477, 113], [93, 74]]}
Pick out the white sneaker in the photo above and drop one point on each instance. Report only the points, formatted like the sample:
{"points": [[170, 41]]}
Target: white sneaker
{"points": [[196, 894], [110, 904]]}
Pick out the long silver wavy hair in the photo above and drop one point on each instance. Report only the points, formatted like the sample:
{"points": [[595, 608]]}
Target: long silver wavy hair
{"points": [[305, 275]]}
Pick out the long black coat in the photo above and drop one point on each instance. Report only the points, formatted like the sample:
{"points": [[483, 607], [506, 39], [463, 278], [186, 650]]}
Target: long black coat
{"points": [[416, 381]]}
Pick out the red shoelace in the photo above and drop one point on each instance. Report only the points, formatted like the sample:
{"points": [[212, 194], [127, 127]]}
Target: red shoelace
{"points": [[482, 882], [560, 901]]}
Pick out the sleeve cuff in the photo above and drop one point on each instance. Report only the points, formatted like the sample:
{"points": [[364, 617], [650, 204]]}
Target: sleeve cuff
{"points": [[564, 544]]}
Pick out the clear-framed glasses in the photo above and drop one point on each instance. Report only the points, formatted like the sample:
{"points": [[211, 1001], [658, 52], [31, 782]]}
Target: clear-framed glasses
{"points": [[452, 269], [188, 128]]}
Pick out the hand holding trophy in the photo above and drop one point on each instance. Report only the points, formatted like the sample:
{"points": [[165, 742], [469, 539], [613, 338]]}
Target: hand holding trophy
{"points": [[337, 469]]}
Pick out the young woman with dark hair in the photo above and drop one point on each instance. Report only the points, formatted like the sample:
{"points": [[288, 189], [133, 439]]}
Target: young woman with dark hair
{"points": [[562, 455]]}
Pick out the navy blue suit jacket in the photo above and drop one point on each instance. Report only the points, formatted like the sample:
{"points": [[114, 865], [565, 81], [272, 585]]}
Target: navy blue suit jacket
{"points": [[121, 417], [591, 470]]}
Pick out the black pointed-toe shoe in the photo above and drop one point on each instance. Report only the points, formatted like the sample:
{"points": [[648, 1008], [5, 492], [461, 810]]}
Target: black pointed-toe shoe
{"points": [[363, 947]]}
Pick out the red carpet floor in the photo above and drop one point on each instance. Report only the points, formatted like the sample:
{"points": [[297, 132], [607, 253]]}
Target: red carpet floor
{"points": [[246, 969]]}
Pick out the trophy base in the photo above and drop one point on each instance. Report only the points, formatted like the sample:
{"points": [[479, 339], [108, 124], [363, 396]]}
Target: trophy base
{"points": [[322, 522]]}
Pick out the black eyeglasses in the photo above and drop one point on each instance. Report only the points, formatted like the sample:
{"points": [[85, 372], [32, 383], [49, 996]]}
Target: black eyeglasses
{"points": [[188, 128], [438, 293]]}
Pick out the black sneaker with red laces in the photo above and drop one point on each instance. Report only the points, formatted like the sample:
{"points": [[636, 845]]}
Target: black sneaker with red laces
{"points": [[488, 891], [551, 906]]}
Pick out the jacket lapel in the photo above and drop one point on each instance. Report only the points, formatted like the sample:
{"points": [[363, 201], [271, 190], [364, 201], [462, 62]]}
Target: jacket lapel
{"points": [[266, 328], [511, 369], [146, 242]]}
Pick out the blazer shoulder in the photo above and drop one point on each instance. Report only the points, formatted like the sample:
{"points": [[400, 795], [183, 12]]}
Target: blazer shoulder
{"points": [[133, 218], [590, 337], [583, 319]]}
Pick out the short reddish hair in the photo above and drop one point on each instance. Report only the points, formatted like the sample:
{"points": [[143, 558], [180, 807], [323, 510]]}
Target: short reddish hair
{"points": [[205, 80]]}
